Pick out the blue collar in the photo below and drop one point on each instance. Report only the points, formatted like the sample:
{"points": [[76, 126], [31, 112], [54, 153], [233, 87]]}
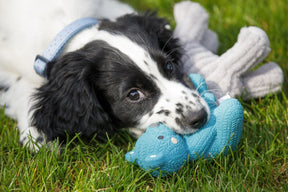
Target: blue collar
{"points": [[57, 45]]}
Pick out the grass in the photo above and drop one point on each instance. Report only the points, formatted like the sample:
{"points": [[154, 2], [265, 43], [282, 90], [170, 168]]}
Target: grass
{"points": [[259, 164]]}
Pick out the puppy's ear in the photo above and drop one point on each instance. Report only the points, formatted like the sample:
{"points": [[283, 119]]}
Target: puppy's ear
{"points": [[68, 103]]}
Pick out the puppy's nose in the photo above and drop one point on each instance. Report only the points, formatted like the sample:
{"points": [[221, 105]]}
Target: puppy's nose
{"points": [[197, 119]]}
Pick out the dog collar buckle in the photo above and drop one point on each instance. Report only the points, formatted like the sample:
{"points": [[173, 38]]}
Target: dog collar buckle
{"points": [[57, 45]]}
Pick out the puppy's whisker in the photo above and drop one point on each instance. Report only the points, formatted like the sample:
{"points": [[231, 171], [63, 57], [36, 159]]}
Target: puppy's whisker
{"points": [[206, 91], [170, 52], [141, 38], [166, 43], [199, 86]]}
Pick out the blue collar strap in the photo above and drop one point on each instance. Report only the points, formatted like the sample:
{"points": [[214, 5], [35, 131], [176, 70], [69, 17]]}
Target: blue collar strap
{"points": [[57, 45]]}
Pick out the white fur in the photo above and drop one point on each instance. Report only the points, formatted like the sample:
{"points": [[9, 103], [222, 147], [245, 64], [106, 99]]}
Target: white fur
{"points": [[17, 104], [26, 28]]}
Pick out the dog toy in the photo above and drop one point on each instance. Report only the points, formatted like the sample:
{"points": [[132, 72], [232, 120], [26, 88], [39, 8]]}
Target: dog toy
{"points": [[161, 149], [231, 72]]}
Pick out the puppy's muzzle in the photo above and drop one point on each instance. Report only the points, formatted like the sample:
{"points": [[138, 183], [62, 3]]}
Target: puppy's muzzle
{"points": [[196, 119]]}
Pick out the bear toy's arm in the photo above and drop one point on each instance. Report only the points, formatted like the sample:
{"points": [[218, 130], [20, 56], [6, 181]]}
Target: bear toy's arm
{"points": [[230, 72], [160, 147], [223, 129]]}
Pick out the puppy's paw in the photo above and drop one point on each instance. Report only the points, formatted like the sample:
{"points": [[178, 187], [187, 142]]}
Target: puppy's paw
{"points": [[135, 132], [32, 139]]}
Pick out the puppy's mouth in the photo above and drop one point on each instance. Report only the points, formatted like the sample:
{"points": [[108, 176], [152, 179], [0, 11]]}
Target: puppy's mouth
{"points": [[182, 119], [192, 121]]}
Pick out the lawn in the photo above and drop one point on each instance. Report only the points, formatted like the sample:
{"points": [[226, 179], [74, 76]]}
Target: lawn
{"points": [[259, 164]]}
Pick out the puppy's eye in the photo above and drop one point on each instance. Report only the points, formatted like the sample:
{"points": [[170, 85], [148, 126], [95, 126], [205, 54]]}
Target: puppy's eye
{"points": [[135, 95], [169, 67]]}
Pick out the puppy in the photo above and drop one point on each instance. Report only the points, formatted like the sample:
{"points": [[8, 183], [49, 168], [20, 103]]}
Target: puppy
{"points": [[123, 72]]}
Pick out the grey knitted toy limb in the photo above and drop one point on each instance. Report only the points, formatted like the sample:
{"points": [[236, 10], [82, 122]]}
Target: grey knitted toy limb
{"points": [[231, 72]]}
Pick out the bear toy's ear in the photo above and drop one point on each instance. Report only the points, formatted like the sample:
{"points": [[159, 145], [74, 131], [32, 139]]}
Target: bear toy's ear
{"points": [[201, 86], [131, 156], [154, 161]]}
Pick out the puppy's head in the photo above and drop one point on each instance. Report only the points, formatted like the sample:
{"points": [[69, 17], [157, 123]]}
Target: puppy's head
{"points": [[126, 76]]}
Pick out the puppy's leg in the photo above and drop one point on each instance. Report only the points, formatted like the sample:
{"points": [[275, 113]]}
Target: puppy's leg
{"points": [[15, 96]]}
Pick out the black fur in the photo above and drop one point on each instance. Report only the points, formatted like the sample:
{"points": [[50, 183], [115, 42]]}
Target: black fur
{"points": [[148, 30], [86, 89]]}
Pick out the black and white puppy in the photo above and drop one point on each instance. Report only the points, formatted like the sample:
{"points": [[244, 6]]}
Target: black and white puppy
{"points": [[121, 73]]}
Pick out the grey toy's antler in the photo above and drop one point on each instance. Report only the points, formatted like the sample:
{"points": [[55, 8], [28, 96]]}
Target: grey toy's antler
{"points": [[266, 79], [229, 73], [192, 25]]}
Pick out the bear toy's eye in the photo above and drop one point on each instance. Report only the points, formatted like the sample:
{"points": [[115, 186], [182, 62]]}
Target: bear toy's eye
{"points": [[160, 137]]}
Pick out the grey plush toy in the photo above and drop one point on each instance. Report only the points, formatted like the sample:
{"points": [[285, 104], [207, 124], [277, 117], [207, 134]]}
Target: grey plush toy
{"points": [[231, 73]]}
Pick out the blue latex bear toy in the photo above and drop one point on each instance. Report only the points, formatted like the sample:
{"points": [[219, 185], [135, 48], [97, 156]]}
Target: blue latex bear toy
{"points": [[161, 149]]}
